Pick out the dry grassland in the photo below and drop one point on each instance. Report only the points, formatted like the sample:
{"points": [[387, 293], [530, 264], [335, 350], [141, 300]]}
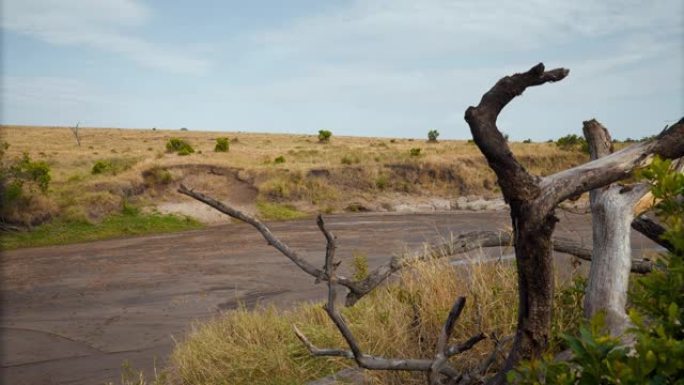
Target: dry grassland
{"points": [[346, 174]]}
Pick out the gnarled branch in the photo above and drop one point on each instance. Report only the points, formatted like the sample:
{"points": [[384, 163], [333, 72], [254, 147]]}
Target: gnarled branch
{"points": [[438, 368]]}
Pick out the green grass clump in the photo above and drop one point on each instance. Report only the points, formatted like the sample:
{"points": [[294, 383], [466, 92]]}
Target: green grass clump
{"points": [[277, 211], [129, 222], [112, 166], [222, 145], [179, 146]]}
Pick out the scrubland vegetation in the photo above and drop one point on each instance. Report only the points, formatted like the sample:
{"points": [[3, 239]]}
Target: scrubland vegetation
{"points": [[274, 175]]}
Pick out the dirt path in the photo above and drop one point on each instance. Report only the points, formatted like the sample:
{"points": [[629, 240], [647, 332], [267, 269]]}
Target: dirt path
{"points": [[73, 314]]}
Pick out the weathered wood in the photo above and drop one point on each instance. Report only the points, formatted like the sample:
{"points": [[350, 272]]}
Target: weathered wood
{"points": [[532, 225], [612, 215], [652, 231], [533, 200]]}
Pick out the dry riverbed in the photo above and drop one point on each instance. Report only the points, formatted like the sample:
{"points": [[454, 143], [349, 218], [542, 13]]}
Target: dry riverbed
{"points": [[73, 314]]}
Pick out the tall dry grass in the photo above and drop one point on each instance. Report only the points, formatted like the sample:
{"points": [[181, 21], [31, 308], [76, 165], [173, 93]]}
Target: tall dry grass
{"points": [[401, 319]]}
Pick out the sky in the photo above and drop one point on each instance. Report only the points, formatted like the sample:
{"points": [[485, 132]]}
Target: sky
{"points": [[392, 68]]}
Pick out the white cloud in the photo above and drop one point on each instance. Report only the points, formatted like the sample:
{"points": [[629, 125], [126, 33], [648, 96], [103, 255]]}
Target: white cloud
{"points": [[413, 62], [105, 25], [406, 29]]}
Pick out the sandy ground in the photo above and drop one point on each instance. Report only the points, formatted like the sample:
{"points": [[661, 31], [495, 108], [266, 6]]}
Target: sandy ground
{"points": [[73, 314]]}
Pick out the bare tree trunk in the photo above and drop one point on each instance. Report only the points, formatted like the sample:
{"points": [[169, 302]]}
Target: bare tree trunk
{"points": [[533, 200], [611, 259]]}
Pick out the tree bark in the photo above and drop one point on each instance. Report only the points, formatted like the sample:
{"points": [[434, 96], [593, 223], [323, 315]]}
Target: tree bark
{"points": [[533, 200], [611, 259]]}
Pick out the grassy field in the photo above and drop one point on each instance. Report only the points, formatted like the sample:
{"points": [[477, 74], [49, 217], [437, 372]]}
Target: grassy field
{"points": [[276, 176], [129, 222]]}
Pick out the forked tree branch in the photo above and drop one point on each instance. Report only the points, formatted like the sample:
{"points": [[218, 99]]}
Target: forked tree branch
{"points": [[438, 368], [263, 229], [516, 182], [533, 199], [613, 167]]}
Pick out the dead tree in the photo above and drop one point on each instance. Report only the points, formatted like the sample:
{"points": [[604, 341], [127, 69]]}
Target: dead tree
{"points": [[533, 200], [612, 214], [75, 131]]}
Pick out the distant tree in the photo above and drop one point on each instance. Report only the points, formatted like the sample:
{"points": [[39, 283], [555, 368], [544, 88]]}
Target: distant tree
{"points": [[527, 141], [74, 130], [324, 136], [432, 135], [183, 129]]}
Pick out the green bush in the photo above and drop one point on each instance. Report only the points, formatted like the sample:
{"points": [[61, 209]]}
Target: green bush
{"points": [[527, 141], [433, 135], [20, 180], [112, 166], [414, 151], [222, 145], [279, 160], [101, 166], [572, 142], [26, 173], [324, 136], [657, 315], [179, 146]]}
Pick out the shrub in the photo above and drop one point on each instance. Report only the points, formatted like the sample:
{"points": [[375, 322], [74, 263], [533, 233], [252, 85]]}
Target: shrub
{"points": [[324, 136], [381, 182], [432, 135], [279, 160], [101, 166], [527, 141], [179, 146], [112, 166], [572, 142], [26, 172], [414, 151], [222, 145], [20, 183]]}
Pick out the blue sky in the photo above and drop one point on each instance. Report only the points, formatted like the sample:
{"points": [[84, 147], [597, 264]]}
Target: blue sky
{"points": [[366, 67]]}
